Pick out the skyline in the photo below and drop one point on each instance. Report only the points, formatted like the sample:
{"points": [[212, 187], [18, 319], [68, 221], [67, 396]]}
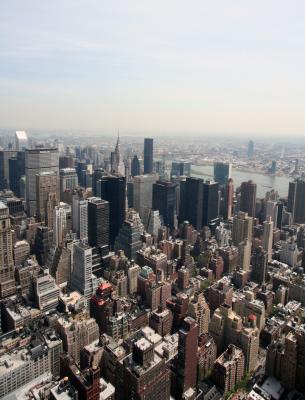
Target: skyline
{"points": [[157, 68]]}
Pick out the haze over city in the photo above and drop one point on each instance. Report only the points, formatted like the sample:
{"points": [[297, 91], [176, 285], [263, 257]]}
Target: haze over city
{"points": [[170, 67]]}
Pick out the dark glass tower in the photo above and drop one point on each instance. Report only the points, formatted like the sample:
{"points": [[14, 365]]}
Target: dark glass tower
{"points": [[248, 198], [165, 200], [135, 166], [98, 222], [148, 155], [210, 209], [191, 198], [113, 189]]}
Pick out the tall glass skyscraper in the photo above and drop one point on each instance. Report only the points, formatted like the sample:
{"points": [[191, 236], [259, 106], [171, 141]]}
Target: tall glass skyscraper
{"points": [[148, 155]]}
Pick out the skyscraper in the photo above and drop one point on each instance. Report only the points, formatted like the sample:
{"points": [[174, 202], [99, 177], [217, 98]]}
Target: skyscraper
{"points": [[117, 165], [7, 278], [142, 195], [82, 279], [296, 201], [68, 179], [242, 228], [80, 217], [259, 265], [191, 200], [98, 222], [37, 161], [248, 197], [135, 166], [250, 149], [222, 172], [61, 222], [21, 140], [129, 237], [210, 209], [113, 190], [181, 168], [148, 155], [46, 183], [268, 237], [165, 200], [228, 199], [187, 348]]}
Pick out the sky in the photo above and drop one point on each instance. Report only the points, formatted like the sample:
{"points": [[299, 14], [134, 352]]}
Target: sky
{"points": [[158, 66]]}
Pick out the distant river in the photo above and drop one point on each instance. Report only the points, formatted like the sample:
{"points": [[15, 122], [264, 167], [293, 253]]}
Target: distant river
{"points": [[264, 182]]}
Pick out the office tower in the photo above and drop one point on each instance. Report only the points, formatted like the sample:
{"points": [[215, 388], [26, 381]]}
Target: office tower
{"points": [[21, 140], [187, 348], [248, 197], [5, 156], [228, 199], [181, 168], [291, 196], [154, 223], [165, 200], [210, 209], [191, 201], [46, 184], [82, 279], [66, 162], [129, 237], [60, 223], [229, 368], [271, 210], [250, 149], [242, 228], [117, 164], [135, 166], [46, 293], [148, 155], [98, 222], [142, 195], [81, 170], [68, 179], [37, 161], [200, 311], [16, 171], [144, 374], [80, 217], [7, 278], [222, 172], [268, 237], [259, 265], [296, 201], [244, 255], [96, 176], [273, 167], [113, 190]]}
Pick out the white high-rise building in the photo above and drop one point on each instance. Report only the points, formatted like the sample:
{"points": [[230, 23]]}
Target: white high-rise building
{"points": [[61, 223], [80, 218], [21, 140], [82, 278], [268, 237]]}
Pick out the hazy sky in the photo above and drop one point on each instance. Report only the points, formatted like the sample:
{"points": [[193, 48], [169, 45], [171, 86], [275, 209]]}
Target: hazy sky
{"points": [[223, 66]]}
